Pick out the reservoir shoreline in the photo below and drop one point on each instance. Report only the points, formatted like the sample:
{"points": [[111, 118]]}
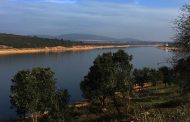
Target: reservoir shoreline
{"points": [[55, 49]]}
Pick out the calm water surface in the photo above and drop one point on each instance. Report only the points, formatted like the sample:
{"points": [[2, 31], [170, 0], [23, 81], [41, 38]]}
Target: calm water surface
{"points": [[69, 67]]}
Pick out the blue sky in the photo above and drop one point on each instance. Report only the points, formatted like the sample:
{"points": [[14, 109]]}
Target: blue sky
{"points": [[152, 3], [143, 19]]}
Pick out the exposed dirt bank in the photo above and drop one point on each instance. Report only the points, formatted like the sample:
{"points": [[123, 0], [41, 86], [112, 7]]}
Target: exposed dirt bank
{"points": [[55, 49]]}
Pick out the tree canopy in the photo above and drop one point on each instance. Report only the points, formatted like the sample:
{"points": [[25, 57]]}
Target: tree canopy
{"points": [[182, 37], [182, 42], [34, 92], [109, 74], [182, 73], [147, 75]]}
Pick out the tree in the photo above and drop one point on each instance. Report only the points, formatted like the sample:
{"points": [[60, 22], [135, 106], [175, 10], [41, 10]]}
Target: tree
{"points": [[147, 75], [23, 97], [95, 84], [122, 69], [33, 92], [155, 77], [141, 76], [59, 109], [182, 73], [182, 37], [122, 79], [167, 75], [182, 42], [109, 74]]}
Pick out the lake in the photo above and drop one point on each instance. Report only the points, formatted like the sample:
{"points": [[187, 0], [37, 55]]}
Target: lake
{"points": [[69, 68]]}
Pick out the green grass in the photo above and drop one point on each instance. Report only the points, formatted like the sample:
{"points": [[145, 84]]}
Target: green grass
{"points": [[164, 104], [160, 103], [156, 95]]}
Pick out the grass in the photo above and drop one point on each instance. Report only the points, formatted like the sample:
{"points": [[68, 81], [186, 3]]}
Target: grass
{"points": [[154, 104], [156, 95], [164, 104]]}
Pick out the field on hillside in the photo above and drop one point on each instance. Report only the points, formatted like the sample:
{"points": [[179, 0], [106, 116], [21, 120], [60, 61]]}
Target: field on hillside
{"points": [[160, 103]]}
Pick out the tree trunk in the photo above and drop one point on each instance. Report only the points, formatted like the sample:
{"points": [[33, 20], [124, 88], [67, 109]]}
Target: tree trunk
{"points": [[102, 101], [36, 117], [33, 119], [129, 102], [116, 106]]}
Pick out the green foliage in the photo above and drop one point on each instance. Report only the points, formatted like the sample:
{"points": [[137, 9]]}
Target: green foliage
{"points": [[156, 77], [122, 70], [168, 75], [98, 80], [109, 74], [147, 75], [141, 76], [35, 92], [17, 41], [182, 42], [182, 74], [23, 97], [59, 110], [182, 37]]}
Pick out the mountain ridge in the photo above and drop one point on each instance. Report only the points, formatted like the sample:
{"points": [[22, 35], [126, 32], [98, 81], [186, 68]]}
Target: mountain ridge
{"points": [[84, 37]]}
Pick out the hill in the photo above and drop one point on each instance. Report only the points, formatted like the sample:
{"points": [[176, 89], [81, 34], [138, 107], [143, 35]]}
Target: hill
{"points": [[90, 38], [84, 37], [18, 41], [81, 37]]}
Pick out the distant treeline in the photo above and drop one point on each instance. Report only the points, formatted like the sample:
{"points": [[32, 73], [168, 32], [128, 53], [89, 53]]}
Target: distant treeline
{"points": [[18, 41]]}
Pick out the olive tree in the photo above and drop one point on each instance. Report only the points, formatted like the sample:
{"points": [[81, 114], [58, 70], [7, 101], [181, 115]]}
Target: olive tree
{"points": [[156, 77], [110, 74], [122, 75], [141, 76], [100, 77], [59, 109], [147, 75], [167, 75], [34, 92]]}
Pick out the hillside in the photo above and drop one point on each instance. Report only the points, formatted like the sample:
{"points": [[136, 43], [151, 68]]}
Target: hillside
{"points": [[85, 37], [18, 41], [81, 37], [98, 39]]}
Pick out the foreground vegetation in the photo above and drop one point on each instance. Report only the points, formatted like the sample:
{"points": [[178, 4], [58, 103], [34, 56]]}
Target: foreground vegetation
{"points": [[159, 103]]}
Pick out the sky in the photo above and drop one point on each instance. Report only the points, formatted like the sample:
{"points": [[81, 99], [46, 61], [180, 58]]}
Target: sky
{"points": [[150, 20]]}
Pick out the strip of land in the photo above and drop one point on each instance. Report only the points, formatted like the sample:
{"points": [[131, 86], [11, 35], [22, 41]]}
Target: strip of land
{"points": [[55, 49], [167, 48]]}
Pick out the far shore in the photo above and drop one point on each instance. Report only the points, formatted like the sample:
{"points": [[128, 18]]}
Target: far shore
{"points": [[56, 49], [166, 48]]}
